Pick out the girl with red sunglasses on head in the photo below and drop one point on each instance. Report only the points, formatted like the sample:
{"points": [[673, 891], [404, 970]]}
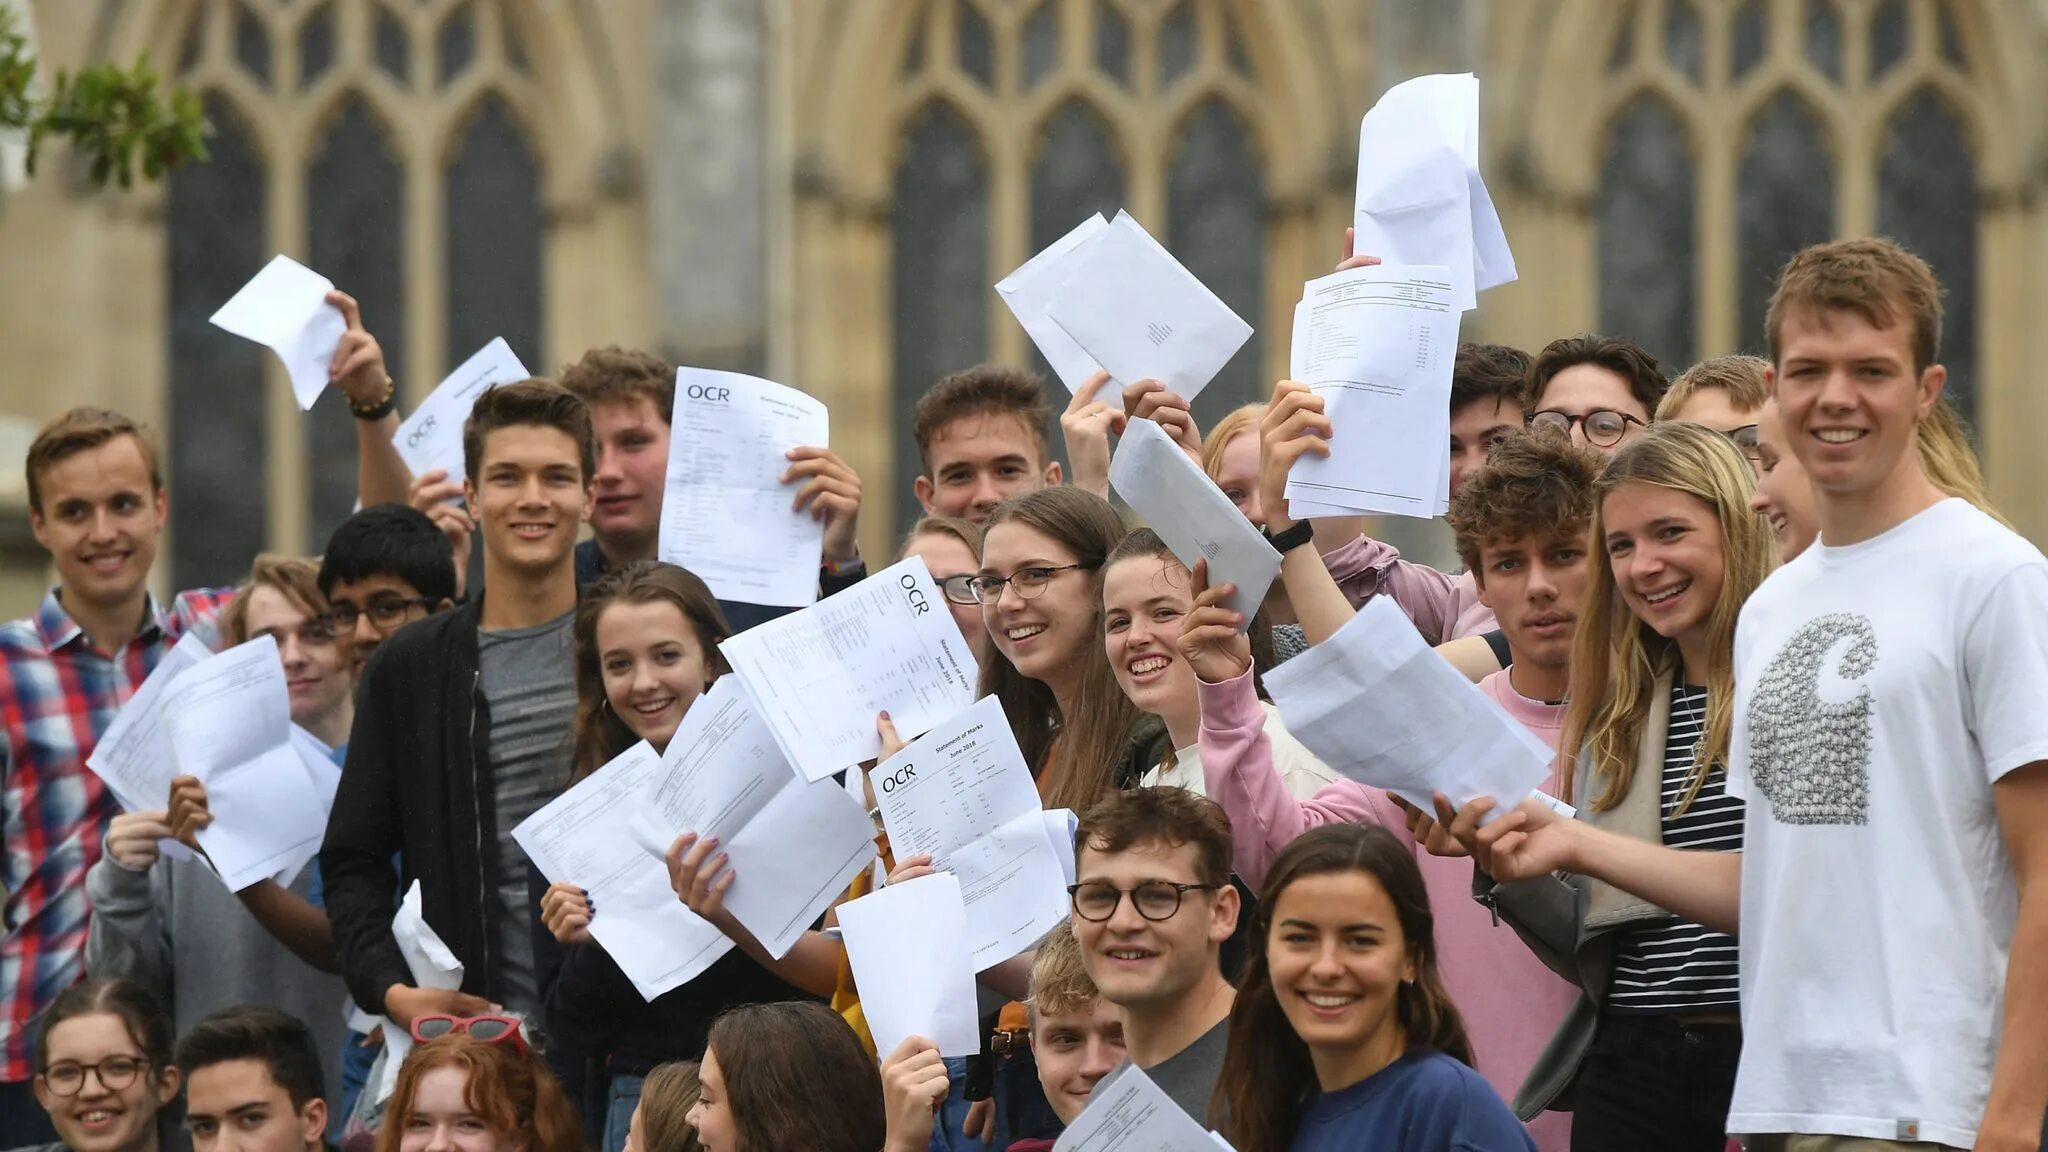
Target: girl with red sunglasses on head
{"points": [[476, 1087]]}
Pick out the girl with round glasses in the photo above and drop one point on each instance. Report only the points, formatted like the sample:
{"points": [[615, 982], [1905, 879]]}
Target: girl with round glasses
{"points": [[105, 1074]]}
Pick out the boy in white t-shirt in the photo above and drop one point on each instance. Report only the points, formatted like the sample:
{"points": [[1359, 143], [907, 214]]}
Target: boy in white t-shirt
{"points": [[1892, 744]]}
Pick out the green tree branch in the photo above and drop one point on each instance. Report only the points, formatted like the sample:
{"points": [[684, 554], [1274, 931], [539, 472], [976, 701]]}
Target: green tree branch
{"points": [[110, 114]]}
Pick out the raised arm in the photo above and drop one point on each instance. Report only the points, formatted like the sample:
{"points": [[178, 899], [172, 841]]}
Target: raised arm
{"points": [[358, 370]]}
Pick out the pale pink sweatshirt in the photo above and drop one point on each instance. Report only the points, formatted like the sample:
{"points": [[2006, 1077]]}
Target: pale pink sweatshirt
{"points": [[1443, 607], [1511, 1003]]}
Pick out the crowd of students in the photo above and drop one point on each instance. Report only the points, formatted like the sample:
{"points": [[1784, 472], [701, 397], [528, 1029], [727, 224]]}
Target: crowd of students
{"points": [[1789, 658]]}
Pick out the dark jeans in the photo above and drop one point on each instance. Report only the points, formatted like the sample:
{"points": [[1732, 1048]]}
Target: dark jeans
{"points": [[1649, 1082], [1022, 1111], [22, 1120]]}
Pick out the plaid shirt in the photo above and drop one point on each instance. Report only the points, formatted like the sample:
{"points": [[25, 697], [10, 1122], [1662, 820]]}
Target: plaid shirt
{"points": [[58, 693]]}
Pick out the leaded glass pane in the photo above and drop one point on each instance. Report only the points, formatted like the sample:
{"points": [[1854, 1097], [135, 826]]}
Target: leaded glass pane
{"points": [[355, 209], [1888, 33], [974, 44], [214, 224], [393, 47], [1215, 216], [1746, 39], [496, 236], [1927, 200], [1177, 44], [252, 45], [316, 45], [1684, 49], [1824, 37], [940, 280], [1646, 228], [1785, 200], [1113, 43], [1041, 48], [457, 42]]}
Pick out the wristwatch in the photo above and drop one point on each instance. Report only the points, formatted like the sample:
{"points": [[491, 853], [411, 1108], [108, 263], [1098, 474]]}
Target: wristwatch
{"points": [[1290, 538]]}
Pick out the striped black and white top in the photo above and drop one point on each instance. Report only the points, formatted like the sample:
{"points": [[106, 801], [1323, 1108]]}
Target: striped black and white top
{"points": [[1679, 966]]}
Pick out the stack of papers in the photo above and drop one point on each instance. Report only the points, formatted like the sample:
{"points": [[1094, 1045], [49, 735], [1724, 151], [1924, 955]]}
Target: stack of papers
{"points": [[285, 309], [793, 845], [1377, 344], [963, 795], [1376, 703], [1130, 1113], [586, 837], [431, 437], [907, 946], [1107, 295], [1420, 198], [819, 677], [1192, 515], [133, 756], [433, 965], [726, 513]]}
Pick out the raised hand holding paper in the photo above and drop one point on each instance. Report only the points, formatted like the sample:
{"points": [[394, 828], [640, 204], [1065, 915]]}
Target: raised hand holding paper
{"points": [[1031, 289], [285, 309], [431, 437], [1141, 315], [820, 676], [133, 758], [908, 950], [1192, 514], [726, 513]]}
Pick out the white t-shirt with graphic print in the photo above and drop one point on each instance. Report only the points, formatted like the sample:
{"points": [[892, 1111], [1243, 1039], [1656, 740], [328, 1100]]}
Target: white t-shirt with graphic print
{"points": [[1880, 690]]}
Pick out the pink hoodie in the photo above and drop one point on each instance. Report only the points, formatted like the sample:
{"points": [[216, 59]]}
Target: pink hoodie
{"points": [[1511, 1003], [1442, 606]]}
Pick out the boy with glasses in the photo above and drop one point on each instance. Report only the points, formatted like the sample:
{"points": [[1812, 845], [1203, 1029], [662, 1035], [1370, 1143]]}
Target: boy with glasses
{"points": [[384, 568], [1598, 389], [1152, 906], [1727, 394]]}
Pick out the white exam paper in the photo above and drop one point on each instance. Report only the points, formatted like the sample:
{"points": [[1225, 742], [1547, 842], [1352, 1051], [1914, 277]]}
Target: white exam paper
{"points": [[1060, 825], [725, 513], [793, 845], [962, 794], [433, 965], [133, 756], [907, 946], [1420, 198], [1031, 289], [1376, 703], [819, 677], [1142, 315], [1380, 343], [285, 309], [1192, 515], [586, 837], [431, 437], [1130, 1113]]}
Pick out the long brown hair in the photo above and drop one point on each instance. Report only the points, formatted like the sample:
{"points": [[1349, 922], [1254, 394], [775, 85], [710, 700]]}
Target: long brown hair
{"points": [[510, 1091], [666, 1098], [1075, 755], [1268, 1077], [600, 734], [796, 1076], [1617, 658]]}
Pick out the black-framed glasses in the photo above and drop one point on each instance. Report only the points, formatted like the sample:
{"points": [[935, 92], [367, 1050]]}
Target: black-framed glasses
{"points": [[1604, 427], [1028, 582], [385, 612], [1155, 900], [67, 1077], [1745, 442], [959, 589]]}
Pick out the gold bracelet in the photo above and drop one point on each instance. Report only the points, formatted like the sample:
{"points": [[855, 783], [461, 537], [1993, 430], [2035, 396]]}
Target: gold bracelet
{"points": [[381, 408]]}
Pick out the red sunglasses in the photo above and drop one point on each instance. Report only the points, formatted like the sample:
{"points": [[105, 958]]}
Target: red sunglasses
{"points": [[488, 1029]]}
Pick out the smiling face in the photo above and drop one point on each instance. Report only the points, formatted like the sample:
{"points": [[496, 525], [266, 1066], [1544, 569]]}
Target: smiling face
{"points": [[1535, 584], [235, 1106], [370, 598], [99, 1118], [981, 460], [1337, 960], [1043, 636], [1144, 599], [318, 666], [1585, 388], [632, 466], [1152, 964], [654, 666], [1667, 553], [1783, 493], [529, 497], [712, 1115], [1475, 429], [100, 518], [442, 1119], [1074, 1051], [1851, 402]]}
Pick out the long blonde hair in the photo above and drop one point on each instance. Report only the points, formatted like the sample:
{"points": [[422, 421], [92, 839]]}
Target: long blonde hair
{"points": [[1616, 658], [1240, 420], [1951, 465]]}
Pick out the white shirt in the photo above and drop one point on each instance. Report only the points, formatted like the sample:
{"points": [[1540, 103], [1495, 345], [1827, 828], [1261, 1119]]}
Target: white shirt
{"points": [[1880, 689], [1299, 770]]}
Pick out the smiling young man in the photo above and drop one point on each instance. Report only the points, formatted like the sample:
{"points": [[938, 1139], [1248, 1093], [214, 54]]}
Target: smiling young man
{"points": [[1892, 895], [981, 435], [383, 568], [632, 397], [462, 726], [1599, 389], [1152, 907], [252, 1082]]}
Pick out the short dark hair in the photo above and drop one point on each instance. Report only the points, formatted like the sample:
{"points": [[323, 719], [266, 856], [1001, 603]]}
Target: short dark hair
{"points": [[1169, 816], [279, 1040], [1533, 481], [1488, 372], [81, 430], [390, 540], [615, 375], [535, 403], [1625, 358], [983, 389]]}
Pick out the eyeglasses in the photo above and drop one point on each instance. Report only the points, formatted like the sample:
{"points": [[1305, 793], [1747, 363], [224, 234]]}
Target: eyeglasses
{"points": [[67, 1077], [1604, 427], [1155, 900], [959, 589], [1745, 442], [489, 1029], [1028, 582], [385, 612]]}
